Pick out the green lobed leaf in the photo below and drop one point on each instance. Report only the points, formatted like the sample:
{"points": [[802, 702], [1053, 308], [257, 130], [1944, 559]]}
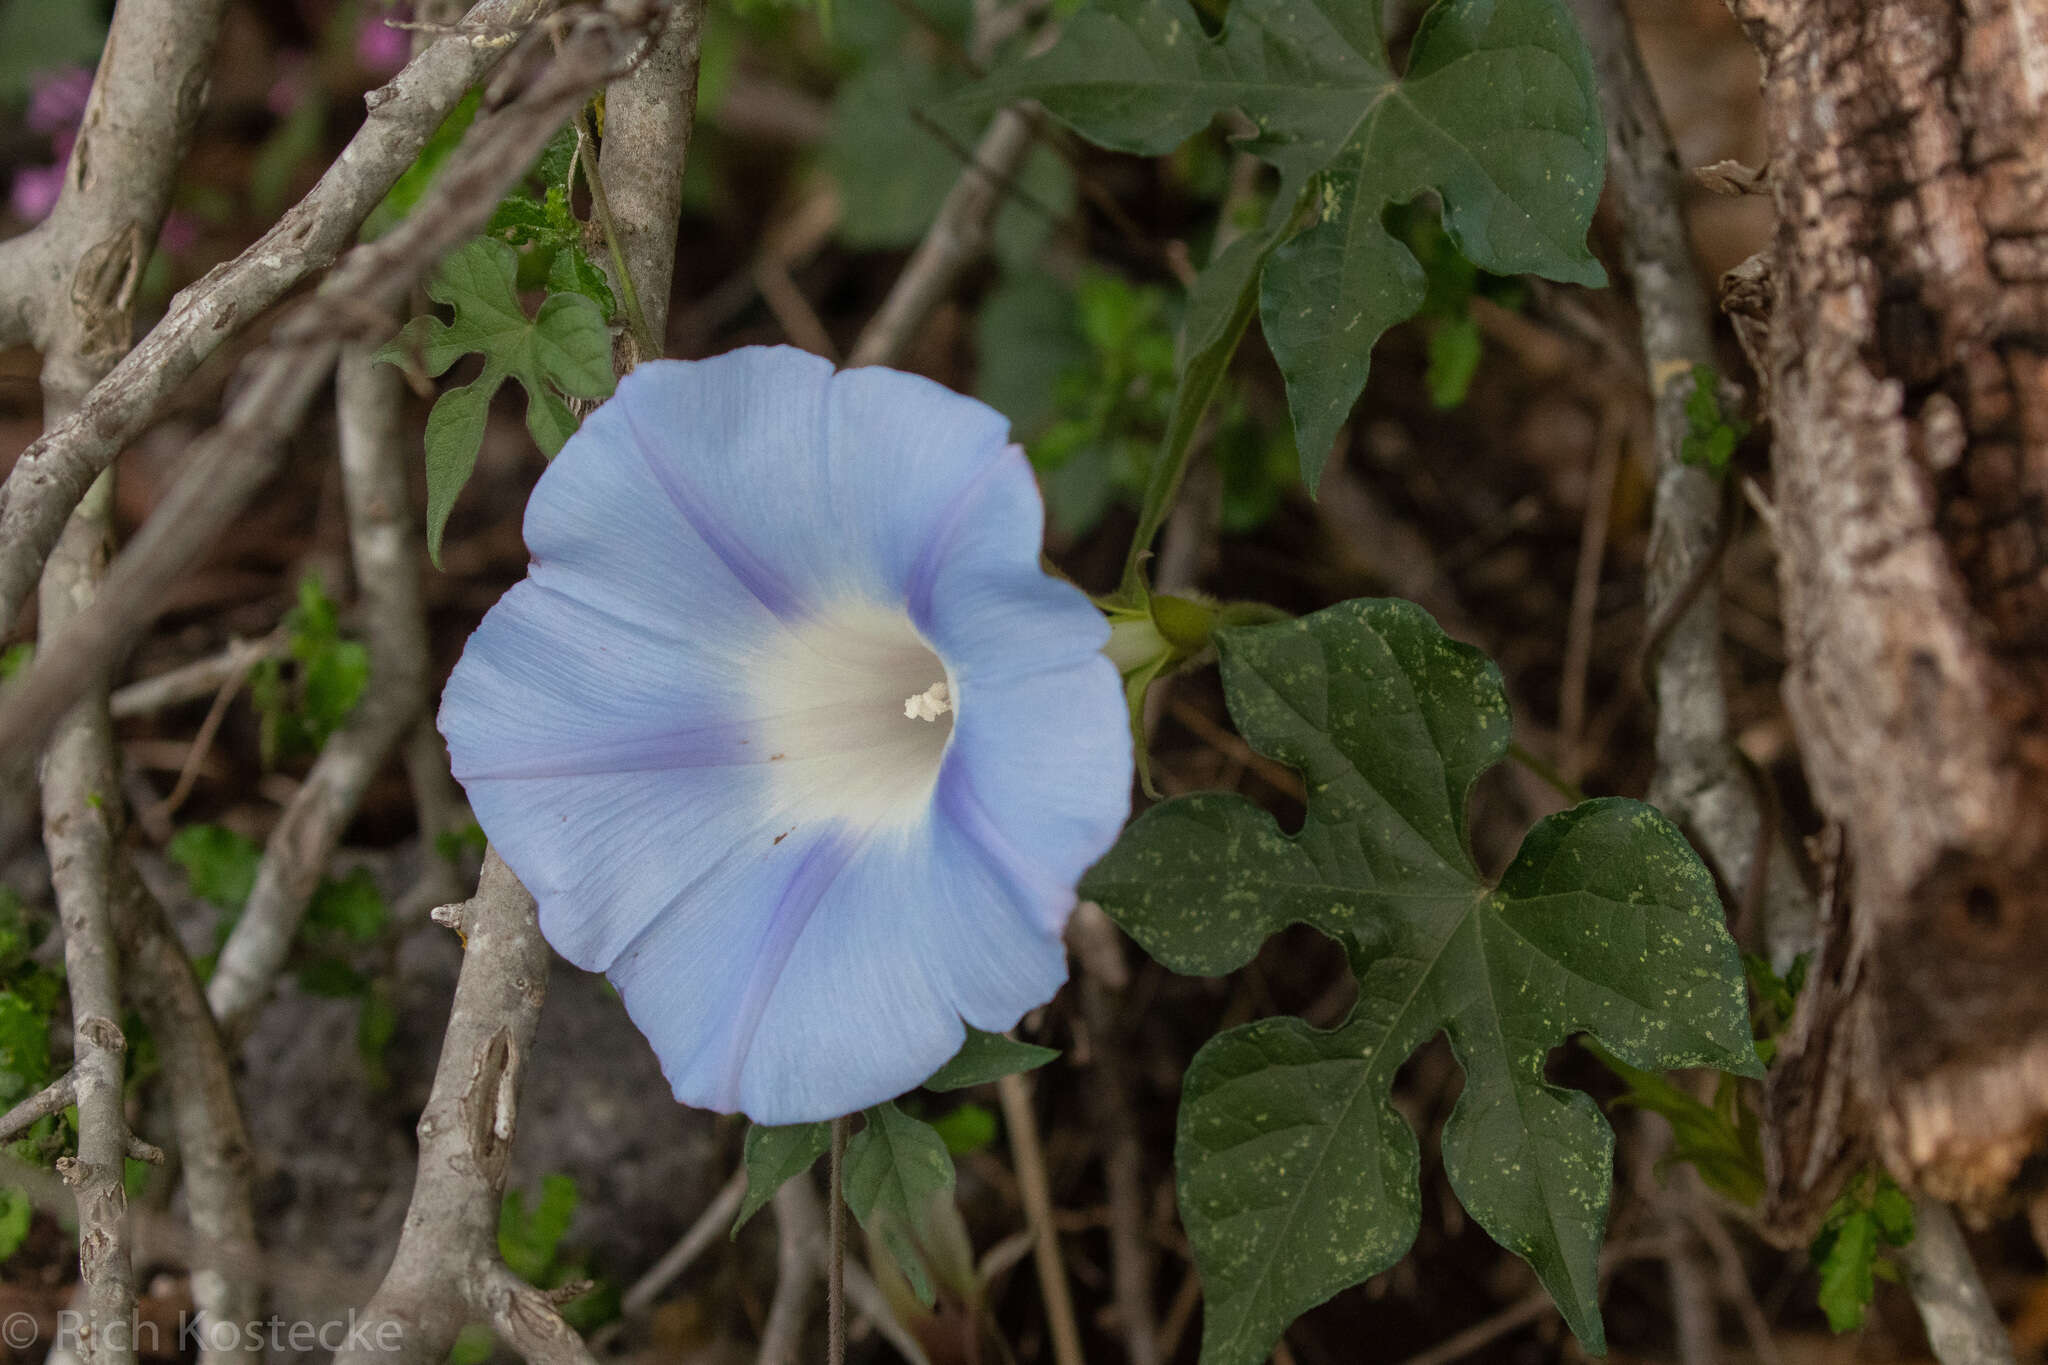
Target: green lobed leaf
{"points": [[1496, 113], [896, 1168], [1297, 1178], [776, 1156], [986, 1057], [563, 350]]}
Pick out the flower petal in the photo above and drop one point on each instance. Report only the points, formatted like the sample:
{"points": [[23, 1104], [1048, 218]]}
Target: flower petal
{"points": [[811, 488], [1039, 777], [980, 596], [852, 989]]}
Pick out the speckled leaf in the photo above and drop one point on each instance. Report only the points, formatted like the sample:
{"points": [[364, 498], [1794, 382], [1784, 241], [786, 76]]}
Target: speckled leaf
{"points": [[896, 1167], [774, 1157], [986, 1057], [1297, 1178], [1496, 112], [565, 348]]}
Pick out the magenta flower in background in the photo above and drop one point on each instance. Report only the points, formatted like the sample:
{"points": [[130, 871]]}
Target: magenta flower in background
{"points": [[380, 48], [56, 105], [787, 730]]}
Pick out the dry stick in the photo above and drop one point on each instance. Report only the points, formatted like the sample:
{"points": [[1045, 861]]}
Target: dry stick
{"points": [[957, 238], [53, 472], [797, 1208], [1963, 1327], [138, 119], [1029, 1157], [206, 1114], [1700, 778], [1537, 1305], [202, 742], [230, 462], [145, 99], [442, 1273], [1103, 976], [1578, 641], [648, 118], [81, 828], [57, 1095], [382, 544], [200, 678], [835, 1262], [799, 1237], [710, 1224]]}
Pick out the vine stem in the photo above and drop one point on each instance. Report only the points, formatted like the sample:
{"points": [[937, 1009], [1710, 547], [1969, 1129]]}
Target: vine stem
{"points": [[601, 207], [835, 1268]]}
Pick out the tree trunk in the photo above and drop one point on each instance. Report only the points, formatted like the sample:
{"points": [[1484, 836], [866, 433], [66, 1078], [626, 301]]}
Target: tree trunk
{"points": [[1904, 360]]}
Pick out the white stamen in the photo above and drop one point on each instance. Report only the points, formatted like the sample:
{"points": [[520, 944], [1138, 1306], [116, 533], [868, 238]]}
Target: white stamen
{"points": [[930, 704]]}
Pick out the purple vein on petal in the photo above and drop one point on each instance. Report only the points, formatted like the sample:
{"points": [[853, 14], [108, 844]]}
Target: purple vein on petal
{"points": [[747, 568], [1027, 884], [786, 924], [704, 746], [926, 572]]}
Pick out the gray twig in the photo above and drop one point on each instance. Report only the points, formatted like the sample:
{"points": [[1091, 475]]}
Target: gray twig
{"points": [[206, 1114], [81, 828], [800, 1257], [200, 678], [382, 544], [58, 1095], [710, 1225], [648, 118], [229, 463], [446, 1268], [1700, 779], [955, 240], [1962, 1326], [53, 472]]}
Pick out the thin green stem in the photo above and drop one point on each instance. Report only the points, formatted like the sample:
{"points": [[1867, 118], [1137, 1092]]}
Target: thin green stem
{"points": [[1542, 767], [835, 1270], [600, 206]]}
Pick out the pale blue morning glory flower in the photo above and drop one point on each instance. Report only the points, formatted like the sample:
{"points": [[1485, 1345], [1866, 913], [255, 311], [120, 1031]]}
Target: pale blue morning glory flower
{"points": [[787, 730]]}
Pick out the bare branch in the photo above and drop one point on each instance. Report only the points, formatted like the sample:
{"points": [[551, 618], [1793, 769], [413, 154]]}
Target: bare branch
{"points": [[800, 1254], [58, 1095], [1962, 1326], [710, 1225], [1700, 781], [81, 828], [955, 240], [234, 459], [1028, 1155], [213, 1140], [465, 1133], [200, 678], [647, 123], [52, 474], [382, 544]]}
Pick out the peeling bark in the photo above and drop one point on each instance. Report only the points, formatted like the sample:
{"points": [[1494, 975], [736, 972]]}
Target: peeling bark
{"points": [[1905, 356]]}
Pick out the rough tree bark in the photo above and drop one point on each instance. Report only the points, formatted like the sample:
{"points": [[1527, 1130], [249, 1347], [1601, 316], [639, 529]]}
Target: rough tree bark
{"points": [[1902, 338]]}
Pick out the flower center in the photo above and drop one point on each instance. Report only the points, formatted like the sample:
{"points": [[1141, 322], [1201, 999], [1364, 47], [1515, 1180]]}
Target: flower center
{"points": [[930, 704], [850, 723]]}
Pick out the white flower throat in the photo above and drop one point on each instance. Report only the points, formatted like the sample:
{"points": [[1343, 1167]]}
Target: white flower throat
{"points": [[849, 717]]}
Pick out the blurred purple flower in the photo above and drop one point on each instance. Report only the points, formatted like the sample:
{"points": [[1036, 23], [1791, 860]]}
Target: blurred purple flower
{"points": [[57, 101], [35, 189], [787, 730], [288, 87], [380, 48]]}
